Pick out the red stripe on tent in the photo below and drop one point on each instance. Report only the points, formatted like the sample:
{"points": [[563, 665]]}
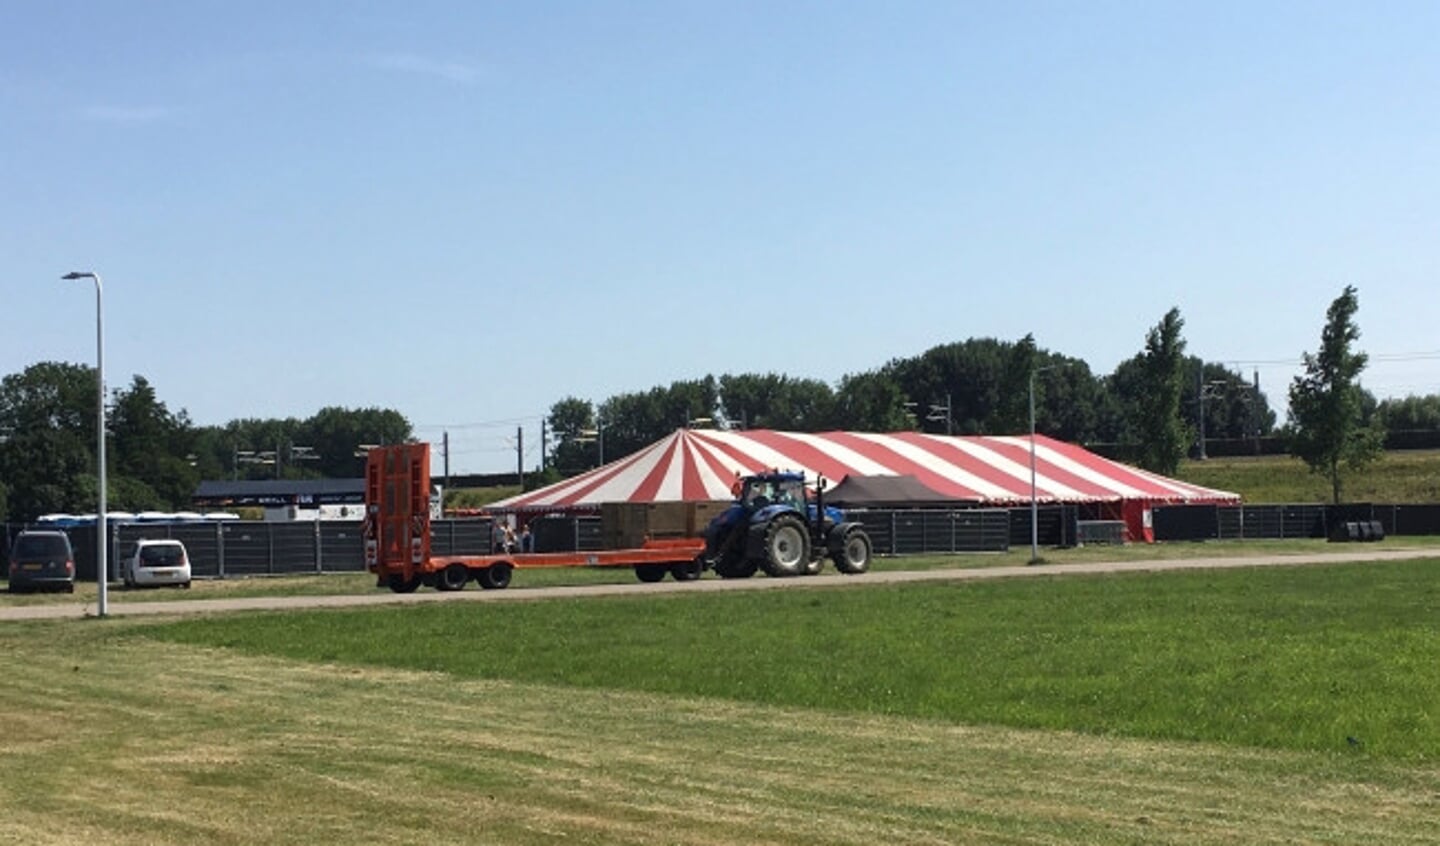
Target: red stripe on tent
{"points": [[692, 486], [805, 455], [698, 447], [648, 488], [905, 466]]}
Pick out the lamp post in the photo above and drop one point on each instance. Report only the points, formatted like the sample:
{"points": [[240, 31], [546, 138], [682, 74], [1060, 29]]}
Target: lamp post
{"points": [[101, 535], [1034, 505]]}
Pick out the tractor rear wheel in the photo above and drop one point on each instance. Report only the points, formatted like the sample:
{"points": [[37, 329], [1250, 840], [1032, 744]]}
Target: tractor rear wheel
{"points": [[853, 556], [787, 547], [736, 567]]}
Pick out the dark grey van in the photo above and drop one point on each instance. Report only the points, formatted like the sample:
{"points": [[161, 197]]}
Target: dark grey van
{"points": [[42, 559]]}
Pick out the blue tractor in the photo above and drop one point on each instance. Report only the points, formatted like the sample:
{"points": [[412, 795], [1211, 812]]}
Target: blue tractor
{"points": [[773, 526]]}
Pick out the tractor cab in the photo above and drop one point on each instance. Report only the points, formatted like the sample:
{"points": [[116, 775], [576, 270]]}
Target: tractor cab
{"points": [[759, 492]]}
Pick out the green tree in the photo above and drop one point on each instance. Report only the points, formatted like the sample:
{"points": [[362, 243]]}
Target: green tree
{"points": [[334, 434], [634, 421], [1411, 414], [1327, 403], [47, 439], [871, 402], [1163, 436], [775, 401], [152, 450], [572, 433]]}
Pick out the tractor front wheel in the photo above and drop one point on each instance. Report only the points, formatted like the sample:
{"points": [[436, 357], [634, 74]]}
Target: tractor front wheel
{"points": [[853, 556]]}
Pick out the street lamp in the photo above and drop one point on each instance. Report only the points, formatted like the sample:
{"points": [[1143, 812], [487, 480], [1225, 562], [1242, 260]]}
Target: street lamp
{"points": [[101, 536], [1034, 505]]}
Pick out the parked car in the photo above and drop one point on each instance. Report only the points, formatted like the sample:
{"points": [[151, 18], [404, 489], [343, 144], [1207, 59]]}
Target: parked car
{"points": [[42, 559], [157, 562]]}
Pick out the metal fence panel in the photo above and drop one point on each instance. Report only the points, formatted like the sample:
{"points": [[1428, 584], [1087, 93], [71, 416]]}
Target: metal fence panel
{"points": [[342, 547], [248, 549], [1230, 523], [294, 547]]}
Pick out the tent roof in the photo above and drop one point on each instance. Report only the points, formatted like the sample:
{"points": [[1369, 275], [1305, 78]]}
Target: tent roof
{"points": [[881, 491], [701, 464]]}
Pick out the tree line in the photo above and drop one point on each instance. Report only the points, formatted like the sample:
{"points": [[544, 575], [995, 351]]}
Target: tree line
{"points": [[1151, 407], [156, 457]]}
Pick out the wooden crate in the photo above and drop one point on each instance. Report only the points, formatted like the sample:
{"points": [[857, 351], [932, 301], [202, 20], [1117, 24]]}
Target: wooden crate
{"points": [[627, 525]]}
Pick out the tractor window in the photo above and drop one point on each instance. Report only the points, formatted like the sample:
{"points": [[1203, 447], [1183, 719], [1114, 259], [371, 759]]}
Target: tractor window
{"points": [[791, 493]]}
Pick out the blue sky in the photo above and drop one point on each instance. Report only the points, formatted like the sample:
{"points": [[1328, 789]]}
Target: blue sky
{"points": [[467, 211]]}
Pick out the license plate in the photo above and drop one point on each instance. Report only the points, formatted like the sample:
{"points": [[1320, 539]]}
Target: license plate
{"points": [[32, 567]]}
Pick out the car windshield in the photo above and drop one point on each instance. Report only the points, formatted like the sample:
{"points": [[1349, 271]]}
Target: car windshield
{"points": [[42, 546], [165, 555]]}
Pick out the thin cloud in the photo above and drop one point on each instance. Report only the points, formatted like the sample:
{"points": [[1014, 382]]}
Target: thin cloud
{"points": [[411, 63], [125, 114]]}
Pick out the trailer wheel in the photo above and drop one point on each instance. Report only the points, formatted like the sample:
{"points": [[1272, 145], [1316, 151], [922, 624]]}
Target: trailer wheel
{"points": [[400, 584], [687, 571], [496, 576], [853, 557], [787, 547], [650, 572], [453, 577]]}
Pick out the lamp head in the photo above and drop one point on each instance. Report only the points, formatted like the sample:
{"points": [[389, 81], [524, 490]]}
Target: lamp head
{"points": [[76, 274]]}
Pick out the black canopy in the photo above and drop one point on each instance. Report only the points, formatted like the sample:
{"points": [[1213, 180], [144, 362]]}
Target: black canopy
{"points": [[885, 492]]}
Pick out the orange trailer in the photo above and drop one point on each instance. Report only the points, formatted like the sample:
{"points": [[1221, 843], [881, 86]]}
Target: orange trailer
{"points": [[397, 537]]}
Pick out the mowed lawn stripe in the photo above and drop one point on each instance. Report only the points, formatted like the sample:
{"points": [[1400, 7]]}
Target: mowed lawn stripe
{"points": [[1335, 658], [126, 741]]}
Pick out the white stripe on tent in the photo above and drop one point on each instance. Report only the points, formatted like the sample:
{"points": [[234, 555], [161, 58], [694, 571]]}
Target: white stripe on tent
{"points": [[621, 486], [1017, 471], [861, 463], [938, 465], [757, 452], [672, 484], [1052, 456]]}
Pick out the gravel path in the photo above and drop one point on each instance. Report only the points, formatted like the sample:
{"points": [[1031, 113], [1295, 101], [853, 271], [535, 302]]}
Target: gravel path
{"points": [[273, 603]]}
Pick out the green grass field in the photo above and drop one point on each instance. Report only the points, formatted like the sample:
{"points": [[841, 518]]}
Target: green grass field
{"points": [[1318, 658], [1398, 477], [1244, 706]]}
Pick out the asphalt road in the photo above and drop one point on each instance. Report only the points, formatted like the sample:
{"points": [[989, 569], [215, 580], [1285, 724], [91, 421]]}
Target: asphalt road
{"points": [[707, 585]]}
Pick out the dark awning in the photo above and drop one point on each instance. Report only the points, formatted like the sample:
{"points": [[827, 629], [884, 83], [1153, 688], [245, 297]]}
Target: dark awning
{"points": [[302, 492]]}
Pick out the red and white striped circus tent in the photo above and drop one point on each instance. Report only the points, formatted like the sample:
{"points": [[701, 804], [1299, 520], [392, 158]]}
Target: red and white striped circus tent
{"points": [[700, 464]]}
